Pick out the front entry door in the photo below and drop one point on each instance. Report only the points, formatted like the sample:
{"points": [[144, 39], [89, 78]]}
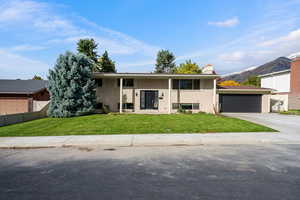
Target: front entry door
{"points": [[149, 99]]}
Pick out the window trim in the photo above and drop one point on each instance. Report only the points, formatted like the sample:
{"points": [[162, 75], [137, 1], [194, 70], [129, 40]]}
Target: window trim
{"points": [[125, 105], [178, 106]]}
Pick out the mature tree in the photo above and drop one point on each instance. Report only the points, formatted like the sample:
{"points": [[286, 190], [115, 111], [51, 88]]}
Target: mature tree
{"points": [[106, 64], [165, 62], [188, 68], [36, 77], [252, 81], [71, 86], [88, 47], [229, 83]]}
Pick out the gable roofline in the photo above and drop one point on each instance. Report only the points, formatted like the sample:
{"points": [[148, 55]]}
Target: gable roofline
{"points": [[275, 73], [153, 75]]}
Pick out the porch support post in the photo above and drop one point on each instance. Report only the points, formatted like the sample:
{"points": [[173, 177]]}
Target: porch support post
{"points": [[214, 95], [121, 95], [169, 87]]}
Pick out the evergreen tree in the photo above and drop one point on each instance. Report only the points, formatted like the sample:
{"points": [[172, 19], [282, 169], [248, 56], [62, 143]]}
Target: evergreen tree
{"points": [[88, 47], [71, 86], [106, 64], [165, 62]]}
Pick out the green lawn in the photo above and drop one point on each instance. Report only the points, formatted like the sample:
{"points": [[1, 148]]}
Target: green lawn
{"points": [[130, 124], [291, 112]]}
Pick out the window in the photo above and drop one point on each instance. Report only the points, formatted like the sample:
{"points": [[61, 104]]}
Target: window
{"points": [[186, 84], [196, 84], [126, 82], [99, 82], [186, 106], [126, 106], [99, 105]]}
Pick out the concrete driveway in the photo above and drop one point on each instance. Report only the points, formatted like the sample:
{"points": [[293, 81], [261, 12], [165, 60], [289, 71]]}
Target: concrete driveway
{"points": [[288, 125]]}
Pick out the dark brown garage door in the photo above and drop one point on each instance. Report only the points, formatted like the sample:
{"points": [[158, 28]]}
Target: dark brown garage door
{"points": [[240, 102]]}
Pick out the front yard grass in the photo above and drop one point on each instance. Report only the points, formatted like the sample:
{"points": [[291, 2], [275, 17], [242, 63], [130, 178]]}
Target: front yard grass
{"points": [[291, 112], [98, 124]]}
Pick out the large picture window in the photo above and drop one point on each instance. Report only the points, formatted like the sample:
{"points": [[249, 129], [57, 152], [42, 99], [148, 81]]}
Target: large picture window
{"points": [[186, 84], [127, 82]]}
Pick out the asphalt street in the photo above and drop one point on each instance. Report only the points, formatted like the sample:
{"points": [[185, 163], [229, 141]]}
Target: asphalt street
{"points": [[179, 172]]}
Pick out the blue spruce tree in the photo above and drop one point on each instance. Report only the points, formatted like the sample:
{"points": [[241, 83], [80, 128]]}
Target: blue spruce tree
{"points": [[71, 86]]}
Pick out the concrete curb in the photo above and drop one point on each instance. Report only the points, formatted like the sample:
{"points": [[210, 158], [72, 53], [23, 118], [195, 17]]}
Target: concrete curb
{"points": [[144, 140]]}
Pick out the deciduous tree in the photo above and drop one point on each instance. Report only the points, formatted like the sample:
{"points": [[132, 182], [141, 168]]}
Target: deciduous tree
{"points": [[188, 68]]}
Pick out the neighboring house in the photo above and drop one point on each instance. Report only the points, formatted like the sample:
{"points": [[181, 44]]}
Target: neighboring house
{"points": [[166, 93], [286, 87], [19, 96]]}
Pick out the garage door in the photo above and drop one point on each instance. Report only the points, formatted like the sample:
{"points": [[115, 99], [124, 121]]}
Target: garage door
{"points": [[240, 102], [11, 106]]}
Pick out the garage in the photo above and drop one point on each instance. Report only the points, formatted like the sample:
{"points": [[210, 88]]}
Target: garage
{"points": [[13, 105], [243, 99], [240, 103]]}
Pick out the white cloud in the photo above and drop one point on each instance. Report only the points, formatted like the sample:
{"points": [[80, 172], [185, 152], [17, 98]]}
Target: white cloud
{"points": [[25, 47], [287, 39], [226, 23], [16, 66], [14, 10], [41, 19], [236, 56], [46, 27]]}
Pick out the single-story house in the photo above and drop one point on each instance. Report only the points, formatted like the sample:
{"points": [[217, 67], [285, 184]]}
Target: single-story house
{"points": [[286, 87], [19, 96], [166, 93]]}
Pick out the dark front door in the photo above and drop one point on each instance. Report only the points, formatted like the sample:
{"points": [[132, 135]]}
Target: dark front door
{"points": [[240, 102], [149, 99]]}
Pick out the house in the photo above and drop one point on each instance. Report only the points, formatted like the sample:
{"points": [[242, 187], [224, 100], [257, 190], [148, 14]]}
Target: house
{"points": [[166, 93], [286, 87], [19, 96]]}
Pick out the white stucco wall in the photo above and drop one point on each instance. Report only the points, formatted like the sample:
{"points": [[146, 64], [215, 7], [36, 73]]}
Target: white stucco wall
{"points": [[278, 82], [39, 105]]}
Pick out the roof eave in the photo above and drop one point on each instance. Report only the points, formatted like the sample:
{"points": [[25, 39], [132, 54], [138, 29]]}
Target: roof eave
{"points": [[153, 76]]}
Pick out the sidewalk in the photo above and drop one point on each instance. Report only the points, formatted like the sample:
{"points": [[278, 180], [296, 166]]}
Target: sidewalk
{"points": [[146, 140]]}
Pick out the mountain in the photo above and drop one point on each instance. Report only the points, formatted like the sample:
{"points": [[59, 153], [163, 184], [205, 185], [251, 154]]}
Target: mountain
{"points": [[279, 64]]}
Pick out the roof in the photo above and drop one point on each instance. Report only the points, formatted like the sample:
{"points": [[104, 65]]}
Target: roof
{"points": [[275, 73], [153, 75], [243, 89], [21, 86]]}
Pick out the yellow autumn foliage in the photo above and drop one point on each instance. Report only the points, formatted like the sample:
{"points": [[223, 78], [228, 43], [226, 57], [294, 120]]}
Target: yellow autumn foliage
{"points": [[229, 83]]}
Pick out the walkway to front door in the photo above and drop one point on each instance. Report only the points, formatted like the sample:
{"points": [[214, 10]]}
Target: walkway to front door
{"points": [[149, 99]]}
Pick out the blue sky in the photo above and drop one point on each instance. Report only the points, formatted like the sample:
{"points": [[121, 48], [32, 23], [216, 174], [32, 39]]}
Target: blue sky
{"points": [[230, 34]]}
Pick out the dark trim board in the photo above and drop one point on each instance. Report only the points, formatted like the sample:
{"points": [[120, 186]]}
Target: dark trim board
{"points": [[251, 103]]}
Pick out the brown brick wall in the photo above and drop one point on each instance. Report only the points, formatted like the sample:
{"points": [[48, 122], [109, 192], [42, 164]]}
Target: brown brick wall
{"points": [[295, 77], [12, 105]]}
